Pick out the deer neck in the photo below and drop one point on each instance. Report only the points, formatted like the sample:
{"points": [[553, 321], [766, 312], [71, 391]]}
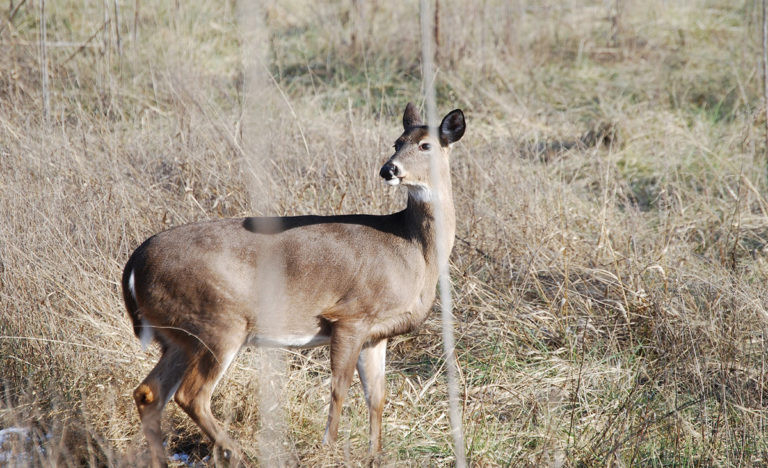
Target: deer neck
{"points": [[421, 214]]}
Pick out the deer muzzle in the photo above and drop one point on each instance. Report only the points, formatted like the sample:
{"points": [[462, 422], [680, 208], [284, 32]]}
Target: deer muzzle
{"points": [[391, 173]]}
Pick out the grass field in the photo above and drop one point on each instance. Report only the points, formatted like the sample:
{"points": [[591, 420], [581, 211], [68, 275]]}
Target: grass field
{"points": [[609, 274]]}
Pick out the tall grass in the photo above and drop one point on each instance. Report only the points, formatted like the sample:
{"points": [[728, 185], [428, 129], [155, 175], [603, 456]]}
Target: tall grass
{"points": [[610, 300]]}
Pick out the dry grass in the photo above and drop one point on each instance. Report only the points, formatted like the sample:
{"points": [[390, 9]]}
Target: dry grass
{"points": [[611, 301]]}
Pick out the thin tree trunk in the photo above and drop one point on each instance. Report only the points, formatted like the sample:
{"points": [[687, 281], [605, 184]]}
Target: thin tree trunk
{"points": [[44, 64], [135, 21], [437, 31], [765, 80], [117, 29]]}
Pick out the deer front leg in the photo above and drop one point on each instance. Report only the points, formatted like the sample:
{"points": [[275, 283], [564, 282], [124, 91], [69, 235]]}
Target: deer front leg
{"points": [[370, 367], [346, 342]]}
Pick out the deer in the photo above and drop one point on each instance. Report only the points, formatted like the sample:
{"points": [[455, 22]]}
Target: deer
{"points": [[349, 281]]}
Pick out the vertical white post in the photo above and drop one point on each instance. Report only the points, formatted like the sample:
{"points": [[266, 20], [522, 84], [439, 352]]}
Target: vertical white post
{"points": [[257, 112], [428, 76]]}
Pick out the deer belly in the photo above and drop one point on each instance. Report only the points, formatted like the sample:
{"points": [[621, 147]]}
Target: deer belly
{"points": [[288, 340]]}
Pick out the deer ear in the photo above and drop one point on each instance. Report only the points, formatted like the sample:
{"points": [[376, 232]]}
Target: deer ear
{"points": [[452, 127], [411, 117]]}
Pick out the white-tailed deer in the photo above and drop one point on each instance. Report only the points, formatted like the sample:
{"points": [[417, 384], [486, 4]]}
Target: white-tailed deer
{"points": [[350, 281]]}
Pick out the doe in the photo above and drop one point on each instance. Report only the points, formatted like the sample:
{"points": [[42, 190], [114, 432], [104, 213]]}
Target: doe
{"points": [[351, 281]]}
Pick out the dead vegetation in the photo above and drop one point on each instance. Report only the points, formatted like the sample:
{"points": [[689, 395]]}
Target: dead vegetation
{"points": [[610, 298]]}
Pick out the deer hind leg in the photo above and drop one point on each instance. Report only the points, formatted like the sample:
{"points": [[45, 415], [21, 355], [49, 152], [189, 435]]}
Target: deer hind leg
{"points": [[346, 344], [370, 367], [152, 395], [194, 396]]}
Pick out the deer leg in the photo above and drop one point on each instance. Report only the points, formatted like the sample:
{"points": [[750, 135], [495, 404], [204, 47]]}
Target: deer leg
{"points": [[370, 367], [346, 343], [194, 396], [152, 395]]}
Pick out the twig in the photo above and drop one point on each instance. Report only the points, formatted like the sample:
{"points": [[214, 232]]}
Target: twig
{"points": [[488, 257], [12, 14], [48, 44], [290, 108], [85, 44], [571, 436], [737, 217], [62, 342], [652, 421], [762, 384]]}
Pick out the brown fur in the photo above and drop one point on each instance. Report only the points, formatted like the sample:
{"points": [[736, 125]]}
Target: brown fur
{"points": [[208, 288]]}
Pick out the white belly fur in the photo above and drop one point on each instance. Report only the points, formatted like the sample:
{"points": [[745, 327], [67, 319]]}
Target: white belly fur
{"points": [[289, 341]]}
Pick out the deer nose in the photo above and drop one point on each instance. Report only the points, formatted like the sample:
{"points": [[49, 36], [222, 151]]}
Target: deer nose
{"points": [[389, 171]]}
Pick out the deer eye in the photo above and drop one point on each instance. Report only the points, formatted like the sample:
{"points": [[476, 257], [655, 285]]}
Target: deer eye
{"points": [[425, 147]]}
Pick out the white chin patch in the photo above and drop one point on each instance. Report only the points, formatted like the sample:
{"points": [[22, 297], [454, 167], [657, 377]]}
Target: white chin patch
{"points": [[393, 181], [420, 193]]}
